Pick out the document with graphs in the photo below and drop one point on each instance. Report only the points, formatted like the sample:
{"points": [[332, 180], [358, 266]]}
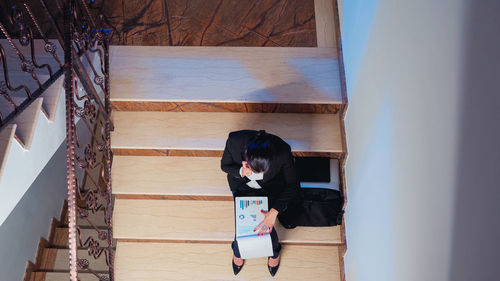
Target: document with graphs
{"points": [[248, 215]]}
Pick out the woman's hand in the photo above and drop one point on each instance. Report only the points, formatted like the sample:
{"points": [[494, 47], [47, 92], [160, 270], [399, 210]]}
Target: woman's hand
{"points": [[266, 226]]}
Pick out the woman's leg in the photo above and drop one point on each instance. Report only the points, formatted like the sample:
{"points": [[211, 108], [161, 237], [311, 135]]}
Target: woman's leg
{"points": [[274, 241]]}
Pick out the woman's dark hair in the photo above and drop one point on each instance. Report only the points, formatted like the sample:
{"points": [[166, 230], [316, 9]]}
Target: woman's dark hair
{"points": [[259, 152]]}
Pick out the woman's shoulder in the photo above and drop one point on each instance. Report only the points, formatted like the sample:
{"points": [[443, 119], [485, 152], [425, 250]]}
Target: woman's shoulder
{"points": [[243, 136]]}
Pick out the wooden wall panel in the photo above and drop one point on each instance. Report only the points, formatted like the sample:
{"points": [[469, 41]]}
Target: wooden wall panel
{"points": [[289, 23]]}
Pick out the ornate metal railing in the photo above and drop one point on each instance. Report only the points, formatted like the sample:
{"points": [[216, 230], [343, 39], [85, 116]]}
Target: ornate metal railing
{"points": [[73, 45], [86, 50], [30, 61]]}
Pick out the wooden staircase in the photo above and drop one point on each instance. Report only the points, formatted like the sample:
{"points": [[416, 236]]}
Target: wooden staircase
{"points": [[173, 213], [173, 108], [22, 127], [51, 263]]}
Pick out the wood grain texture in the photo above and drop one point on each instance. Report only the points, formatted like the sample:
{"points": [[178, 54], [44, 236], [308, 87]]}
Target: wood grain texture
{"points": [[174, 197], [181, 220], [61, 235], [167, 152], [51, 98], [177, 261], [209, 130], [47, 259], [345, 102], [63, 276], [225, 75], [41, 276], [61, 260], [134, 175], [41, 258], [6, 137], [29, 271], [209, 22], [208, 153], [225, 107], [340, 56], [325, 23], [26, 123]]}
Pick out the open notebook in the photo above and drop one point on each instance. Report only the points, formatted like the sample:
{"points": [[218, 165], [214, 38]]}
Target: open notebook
{"points": [[248, 215]]}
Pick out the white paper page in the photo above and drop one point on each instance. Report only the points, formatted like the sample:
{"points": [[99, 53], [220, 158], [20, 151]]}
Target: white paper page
{"points": [[255, 246], [248, 216]]}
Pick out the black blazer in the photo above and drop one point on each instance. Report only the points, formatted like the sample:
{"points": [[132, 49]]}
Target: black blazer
{"points": [[280, 182]]}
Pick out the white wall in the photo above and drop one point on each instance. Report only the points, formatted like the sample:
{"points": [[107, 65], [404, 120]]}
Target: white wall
{"points": [[32, 216], [424, 139], [23, 166]]}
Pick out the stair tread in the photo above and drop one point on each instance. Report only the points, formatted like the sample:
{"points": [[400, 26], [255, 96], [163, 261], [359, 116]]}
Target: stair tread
{"points": [[225, 74], [63, 276], [50, 96], [61, 235], [182, 220], [209, 130], [60, 259], [18, 78], [6, 137], [187, 261], [157, 175], [96, 218], [26, 122]]}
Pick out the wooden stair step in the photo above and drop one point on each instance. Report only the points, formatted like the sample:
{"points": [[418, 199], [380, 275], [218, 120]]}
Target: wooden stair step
{"points": [[58, 260], [61, 236], [63, 276], [169, 176], [26, 123], [96, 218], [50, 96], [18, 78], [143, 76], [6, 137], [188, 261], [198, 220], [187, 133]]}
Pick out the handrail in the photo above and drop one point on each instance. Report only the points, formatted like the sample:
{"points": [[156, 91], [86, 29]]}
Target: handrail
{"points": [[88, 99], [85, 67], [18, 94]]}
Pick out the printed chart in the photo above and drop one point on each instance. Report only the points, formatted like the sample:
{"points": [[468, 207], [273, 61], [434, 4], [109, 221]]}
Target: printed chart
{"points": [[248, 216]]}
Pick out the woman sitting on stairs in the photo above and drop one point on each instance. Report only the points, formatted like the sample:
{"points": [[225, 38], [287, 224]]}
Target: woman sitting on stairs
{"points": [[261, 164]]}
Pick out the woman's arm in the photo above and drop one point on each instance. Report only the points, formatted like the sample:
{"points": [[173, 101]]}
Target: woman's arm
{"points": [[292, 184], [227, 162]]}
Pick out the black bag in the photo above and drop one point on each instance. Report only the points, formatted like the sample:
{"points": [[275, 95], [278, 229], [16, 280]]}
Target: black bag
{"points": [[315, 207]]}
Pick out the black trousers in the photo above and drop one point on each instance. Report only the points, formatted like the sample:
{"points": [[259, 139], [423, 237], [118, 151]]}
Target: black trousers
{"points": [[274, 235]]}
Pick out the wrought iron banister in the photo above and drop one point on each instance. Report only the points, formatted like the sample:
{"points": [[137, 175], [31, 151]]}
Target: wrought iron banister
{"points": [[56, 27], [89, 103], [22, 67]]}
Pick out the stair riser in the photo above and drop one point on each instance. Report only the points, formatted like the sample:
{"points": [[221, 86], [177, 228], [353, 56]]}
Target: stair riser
{"points": [[225, 107], [209, 153]]}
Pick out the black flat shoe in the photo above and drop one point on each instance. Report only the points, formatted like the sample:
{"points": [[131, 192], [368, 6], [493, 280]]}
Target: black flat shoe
{"points": [[273, 269], [237, 268]]}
